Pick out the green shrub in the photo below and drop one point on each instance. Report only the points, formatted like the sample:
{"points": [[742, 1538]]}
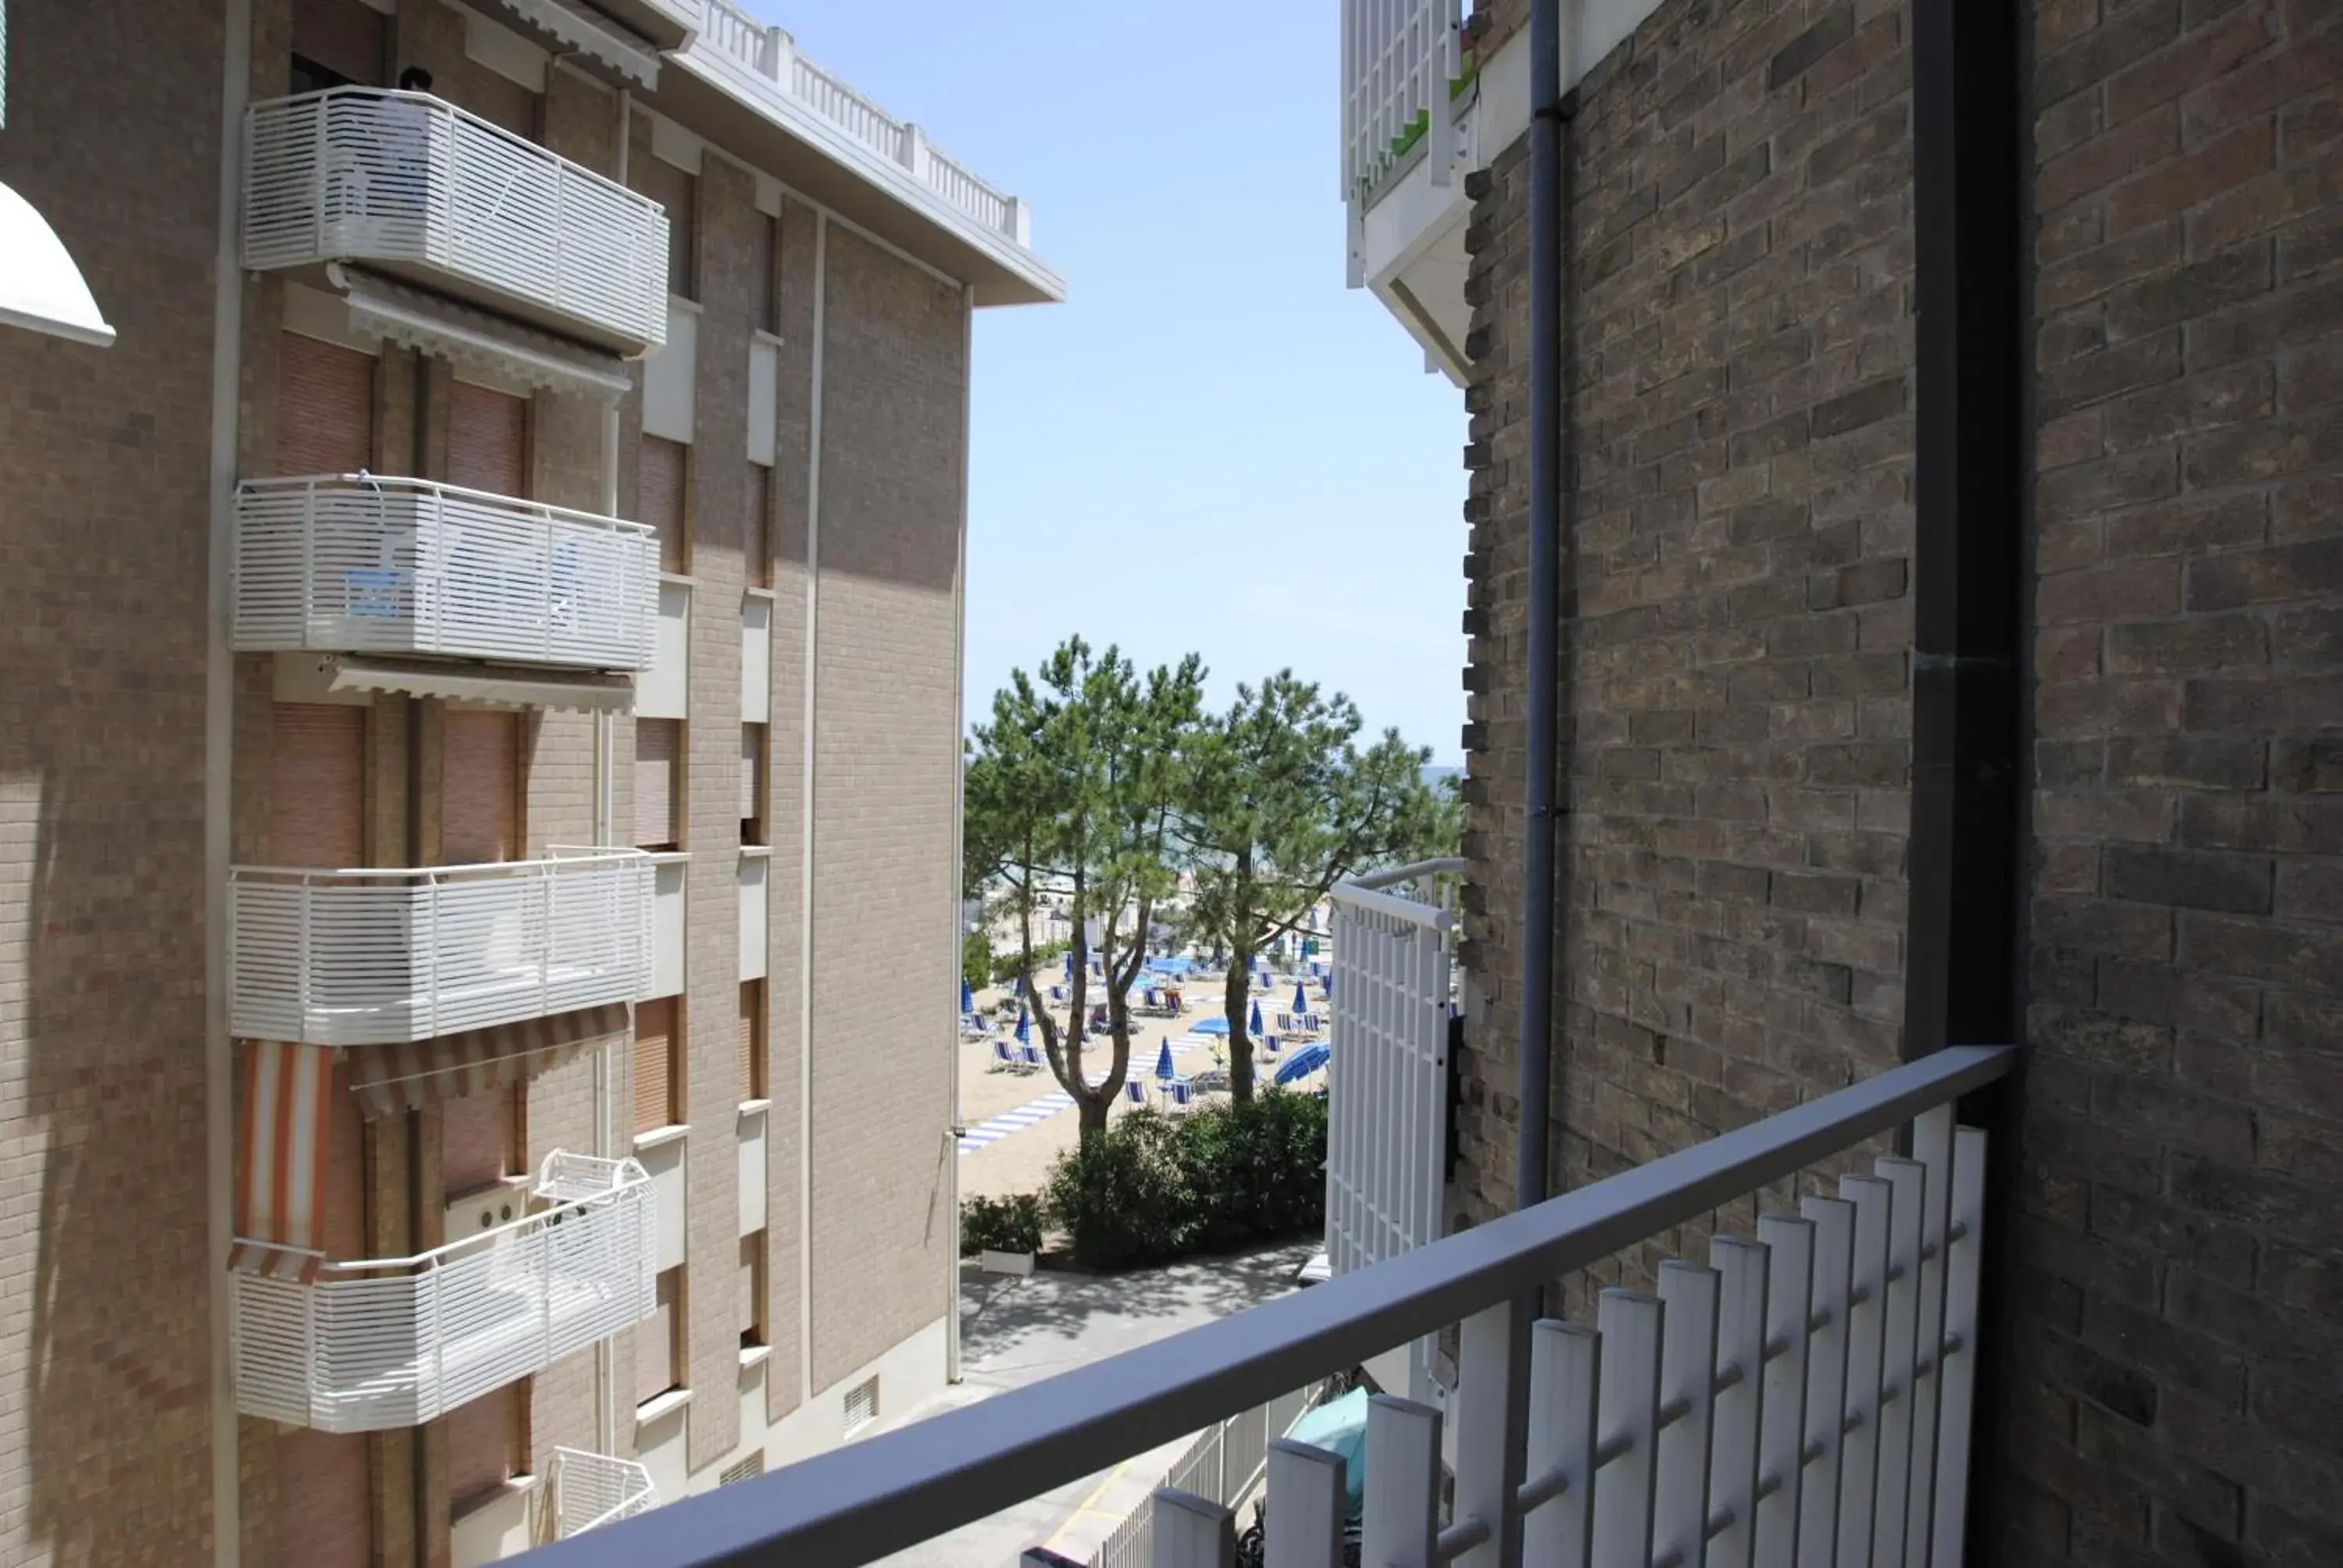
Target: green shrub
{"points": [[1149, 1190], [1011, 1224]]}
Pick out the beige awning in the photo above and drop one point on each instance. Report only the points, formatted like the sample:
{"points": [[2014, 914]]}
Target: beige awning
{"points": [[583, 692], [391, 1079], [591, 34], [465, 336]]}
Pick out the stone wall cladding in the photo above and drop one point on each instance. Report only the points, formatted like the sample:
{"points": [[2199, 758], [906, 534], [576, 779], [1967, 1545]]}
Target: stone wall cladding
{"points": [[1737, 516], [886, 733], [2176, 1382]]}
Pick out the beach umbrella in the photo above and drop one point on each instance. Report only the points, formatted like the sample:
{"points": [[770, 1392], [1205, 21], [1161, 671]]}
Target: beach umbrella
{"points": [[1326, 984], [967, 996], [1301, 1002], [1163, 1069], [1303, 1062], [1309, 947], [1254, 1023], [1070, 963], [1024, 1026], [1212, 1025]]}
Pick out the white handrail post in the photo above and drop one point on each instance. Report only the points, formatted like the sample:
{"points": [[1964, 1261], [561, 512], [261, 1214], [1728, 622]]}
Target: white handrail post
{"points": [[1311, 1486], [301, 983], [431, 939], [1492, 1427], [1440, 69], [309, 561], [1403, 1514], [319, 147], [1191, 1532]]}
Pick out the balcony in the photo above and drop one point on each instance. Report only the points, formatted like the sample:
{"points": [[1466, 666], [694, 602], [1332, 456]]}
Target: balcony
{"points": [[1813, 1384], [415, 187], [391, 1342], [378, 956], [348, 563], [594, 1489]]}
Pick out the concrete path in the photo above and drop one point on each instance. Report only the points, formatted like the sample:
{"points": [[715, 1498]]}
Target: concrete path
{"points": [[1017, 1332]]}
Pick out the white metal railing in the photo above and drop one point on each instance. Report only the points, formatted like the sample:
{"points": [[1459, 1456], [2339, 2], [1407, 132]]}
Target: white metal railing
{"points": [[390, 1343], [337, 563], [771, 56], [1813, 1384], [1225, 1463], [1399, 57], [375, 955], [594, 1489], [408, 179]]}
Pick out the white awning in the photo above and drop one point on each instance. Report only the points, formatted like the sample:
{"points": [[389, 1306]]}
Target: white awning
{"points": [[464, 336], [478, 683], [595, 37]]}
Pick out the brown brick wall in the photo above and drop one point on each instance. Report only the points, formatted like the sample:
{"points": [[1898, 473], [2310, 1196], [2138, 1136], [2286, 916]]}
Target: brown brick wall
{"points": [[2175, 1386], [885, 731], [1737, 516], [104, 523]]}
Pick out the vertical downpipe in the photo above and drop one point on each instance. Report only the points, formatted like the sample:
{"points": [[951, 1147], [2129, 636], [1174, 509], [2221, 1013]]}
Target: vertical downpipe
{"points": [[220, 749], [418, 1452], [960, 804], [806, 842]]}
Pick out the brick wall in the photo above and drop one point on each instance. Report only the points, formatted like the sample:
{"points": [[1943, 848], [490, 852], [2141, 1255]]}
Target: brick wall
{"points": [[1736, 517], [104, 520], [2176, 1382], [885, 772]]}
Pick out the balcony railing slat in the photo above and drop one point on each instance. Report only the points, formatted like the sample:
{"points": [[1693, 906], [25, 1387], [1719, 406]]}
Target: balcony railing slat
{"points": [[1964, 1266], [1627, 1415], [1858, 1487], [1802, 1528]]}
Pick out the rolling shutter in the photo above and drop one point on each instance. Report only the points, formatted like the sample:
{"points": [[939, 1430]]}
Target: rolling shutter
{"points": [[483, 1442], [752, 1277], [757, 546], [316, 785], [480, 786], [753, 1040], [343, 36], [324, 408], [655, 1026], [488, 440], [655, 1359], [344, 1204], [660, 488], [658, 749], [752, 782], [476, 1139], [324, 1515]]}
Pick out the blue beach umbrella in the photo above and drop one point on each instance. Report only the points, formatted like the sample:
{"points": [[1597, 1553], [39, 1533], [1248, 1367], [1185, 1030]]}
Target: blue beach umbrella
{"points": [[1070, 963], [1301, 1002], [1163, 1069], [967, 996], [1303, 1062], [1309, 947], [1024, 1026], [1210, 1026], [1252, 1024], [1326, 984]]}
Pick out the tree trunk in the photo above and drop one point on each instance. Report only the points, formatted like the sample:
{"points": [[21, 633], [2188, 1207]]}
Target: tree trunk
{"points": [[1235, 994], [1091, 1108]]}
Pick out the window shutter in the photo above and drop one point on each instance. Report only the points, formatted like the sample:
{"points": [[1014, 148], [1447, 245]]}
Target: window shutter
{"points": [[753, 1040], [324, 408], [751, 1282], [343, 36], [482, 1443], [488, 440], [316, 785], [660, 484], [480, 786], [345, 1197], [655, 1357], [658, 749], [758, 544], [752, 777], [476, 1139], [324, 1517], [654, 1025]]}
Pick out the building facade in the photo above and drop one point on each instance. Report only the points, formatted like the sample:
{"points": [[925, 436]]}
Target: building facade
{"points": [[1742, 869], [478, 927]]}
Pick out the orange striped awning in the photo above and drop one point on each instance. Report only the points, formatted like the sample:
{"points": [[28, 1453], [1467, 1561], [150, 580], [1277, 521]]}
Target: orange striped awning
{"points": [[280, 1179], [391, 1079]]}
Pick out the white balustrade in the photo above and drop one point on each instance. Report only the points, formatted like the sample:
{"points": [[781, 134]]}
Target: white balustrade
{"points": [[1399, 57], [370, 956], [414, 184], [351, 563], [594, 1489], [385, 1343], [771, 57]]}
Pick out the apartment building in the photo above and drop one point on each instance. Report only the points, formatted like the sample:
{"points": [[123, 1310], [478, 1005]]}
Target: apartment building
{"points": [[480, 910]]}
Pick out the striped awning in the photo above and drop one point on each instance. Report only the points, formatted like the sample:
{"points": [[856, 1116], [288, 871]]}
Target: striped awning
{"points": [[280, 1178], [391, 1079]]}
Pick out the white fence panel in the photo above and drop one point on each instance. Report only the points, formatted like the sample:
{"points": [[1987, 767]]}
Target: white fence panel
{"points": [[1632, 1326], [411, 181], [593, 1489], [1398, 58]]}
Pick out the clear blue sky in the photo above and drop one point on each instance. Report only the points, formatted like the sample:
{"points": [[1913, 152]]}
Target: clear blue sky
{"points": [[1212, 444]]}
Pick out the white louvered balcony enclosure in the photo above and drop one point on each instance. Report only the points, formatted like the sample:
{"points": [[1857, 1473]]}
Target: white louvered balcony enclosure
{"points": [[414, 185], [351, 563], [390, 1343], [592, 1489], [374, 956]]}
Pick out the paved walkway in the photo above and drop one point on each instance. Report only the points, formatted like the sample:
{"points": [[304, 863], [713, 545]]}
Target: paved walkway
{"points": [[1015, 1332]]}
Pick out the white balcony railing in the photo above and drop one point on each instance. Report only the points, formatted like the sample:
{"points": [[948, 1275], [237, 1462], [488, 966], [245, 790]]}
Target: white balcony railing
{"points": [[391, 1342], [594, 1489], [771, 57], [349, 563], [1400, 58], [372, 956], [1813, 1385], [415, 185]]}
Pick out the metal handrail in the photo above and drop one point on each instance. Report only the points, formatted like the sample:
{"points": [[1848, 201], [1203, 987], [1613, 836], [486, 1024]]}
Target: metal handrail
{"points": [[612, 855], [625, 1174], [1440, 866], [902, 1487], [385, 483]]}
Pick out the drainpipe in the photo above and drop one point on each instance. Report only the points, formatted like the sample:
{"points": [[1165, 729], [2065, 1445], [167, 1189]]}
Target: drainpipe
{"points": [[1532, 1153], [1972, 525], [418, 1452], [959, 806]]}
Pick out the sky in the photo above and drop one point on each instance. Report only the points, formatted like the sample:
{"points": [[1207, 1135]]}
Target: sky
{"points": [[1212, 445]]}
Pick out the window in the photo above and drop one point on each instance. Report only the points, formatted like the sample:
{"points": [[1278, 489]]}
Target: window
{"points": [[335, 43], [658, 1053], [752, 1290], [487, 1444], [662, 485], [316, 785], [766, 254], [480, 1139], [488, 440], [753, 1040], [658, 1341], [480, 786], [659, 783], [325, 402], [678, 190], [752, 783], [756, 538]]}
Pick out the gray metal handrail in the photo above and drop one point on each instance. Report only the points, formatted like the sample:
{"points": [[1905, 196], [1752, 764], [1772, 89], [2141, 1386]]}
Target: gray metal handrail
{"points": [[896, 1490], [1442, 866]]}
